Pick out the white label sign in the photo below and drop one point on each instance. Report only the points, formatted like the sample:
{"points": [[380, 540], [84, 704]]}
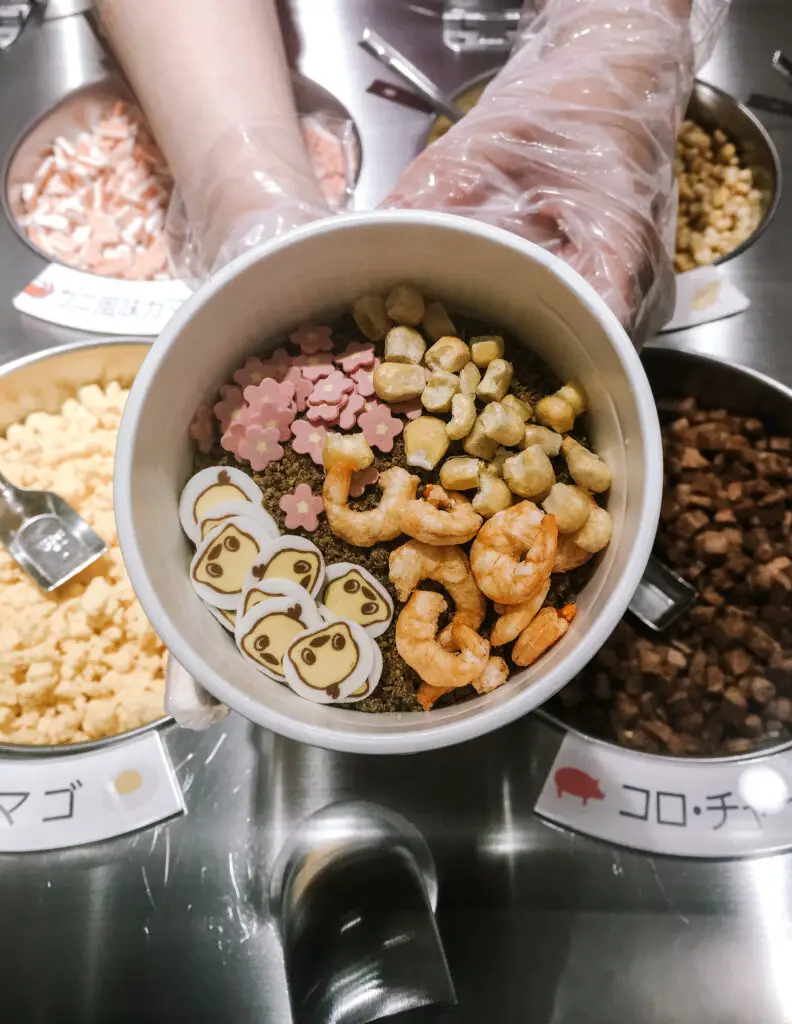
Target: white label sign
{"points": [[48, 803], [703, 295], [690, 809], [102, 305]]}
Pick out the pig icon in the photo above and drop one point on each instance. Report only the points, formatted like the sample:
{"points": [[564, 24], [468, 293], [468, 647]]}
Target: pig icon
{"points": [[577, 783]]}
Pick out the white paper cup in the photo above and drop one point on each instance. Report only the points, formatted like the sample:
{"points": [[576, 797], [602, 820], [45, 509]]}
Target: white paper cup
{"points": [[310, 275]]}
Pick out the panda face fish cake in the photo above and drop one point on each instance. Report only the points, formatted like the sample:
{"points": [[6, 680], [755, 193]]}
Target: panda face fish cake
{"points": [[223, 559], [325, 665], [265, 632], [212, 487], [371, 684], [351, 592], [255, 591], [219, 514], [227, 619], [294, 559]]}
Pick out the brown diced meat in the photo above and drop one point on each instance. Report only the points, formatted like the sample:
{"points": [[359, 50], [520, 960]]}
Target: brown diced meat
{"points": [[753, 428], [690, 523], [761, 689], [733, 625], [737, 661], [760, 642], [781, 709], [691, 458], [712, 542], [738, 745], [659, 729], [720, 680], [715, 679]]}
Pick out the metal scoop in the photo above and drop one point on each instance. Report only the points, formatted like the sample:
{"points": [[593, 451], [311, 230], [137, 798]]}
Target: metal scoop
{"points": [[661, 597], [387, 54], [45, 536]]}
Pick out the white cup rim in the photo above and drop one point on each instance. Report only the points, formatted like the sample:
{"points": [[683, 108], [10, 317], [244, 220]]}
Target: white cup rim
{"points": [[395, 736]]}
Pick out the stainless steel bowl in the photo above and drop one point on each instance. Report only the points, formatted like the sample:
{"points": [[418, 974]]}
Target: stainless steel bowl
{"points": [[77, 111], [711, 108], [42, 383], [714, 384]]}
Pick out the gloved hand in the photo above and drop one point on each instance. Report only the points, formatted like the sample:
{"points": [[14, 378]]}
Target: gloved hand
{"points": [[213, 81], [572, 144]]}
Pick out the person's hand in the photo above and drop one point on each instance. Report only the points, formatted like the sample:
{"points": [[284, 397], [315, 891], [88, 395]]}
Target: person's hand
{"points": [[571, 146]]}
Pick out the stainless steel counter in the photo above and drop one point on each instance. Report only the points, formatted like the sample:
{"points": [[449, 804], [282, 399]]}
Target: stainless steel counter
{"points": [[540, 925]]}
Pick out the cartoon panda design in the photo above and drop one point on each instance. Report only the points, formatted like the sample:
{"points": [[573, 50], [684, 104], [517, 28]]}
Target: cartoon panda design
{"points": [[265, 632], [351, 592], [327, 665]]}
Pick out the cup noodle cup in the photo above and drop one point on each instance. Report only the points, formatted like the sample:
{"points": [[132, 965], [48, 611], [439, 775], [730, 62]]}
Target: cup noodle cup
{"points": [[312, 274]]}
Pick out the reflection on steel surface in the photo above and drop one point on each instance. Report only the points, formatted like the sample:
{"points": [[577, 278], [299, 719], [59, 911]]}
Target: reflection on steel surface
{"points": [[353, 894], [12, 20]]}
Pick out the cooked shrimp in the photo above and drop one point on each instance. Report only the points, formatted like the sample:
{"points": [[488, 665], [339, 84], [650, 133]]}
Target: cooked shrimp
{"points": [[415, 561], [364, 529], [441, 517], [514, 618], [546, 629], [416, 642], [494, 675], [568, 555], [514, 552]]}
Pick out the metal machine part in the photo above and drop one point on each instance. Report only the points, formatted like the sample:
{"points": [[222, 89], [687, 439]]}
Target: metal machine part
{"points": [[480, 25], [354, 893], [538, 924], [661, 597]]}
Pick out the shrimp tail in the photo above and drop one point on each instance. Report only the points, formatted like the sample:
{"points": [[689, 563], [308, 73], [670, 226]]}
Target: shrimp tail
{"points": [[546, 629]]}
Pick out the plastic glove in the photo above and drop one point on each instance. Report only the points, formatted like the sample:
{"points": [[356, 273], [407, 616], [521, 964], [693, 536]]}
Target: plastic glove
{"points": [[213, 81], [191, 705], [572, 145]]}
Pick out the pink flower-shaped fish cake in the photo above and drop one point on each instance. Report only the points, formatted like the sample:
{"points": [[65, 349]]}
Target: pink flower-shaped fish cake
{"points": [[380, 428], [308, 439], [202, 428], [364, 381], [253, 372], [356, 356], [316, 366], [269, 392], [350, 412], [230, 406], [302, 387], [311, 340], [260, 447], [266, 414], [232, 435], [331, 390], [302, 508], [328, 414]]}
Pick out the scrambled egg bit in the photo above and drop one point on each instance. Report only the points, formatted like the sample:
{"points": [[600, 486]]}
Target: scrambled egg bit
{"points": [[83, 662]]}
